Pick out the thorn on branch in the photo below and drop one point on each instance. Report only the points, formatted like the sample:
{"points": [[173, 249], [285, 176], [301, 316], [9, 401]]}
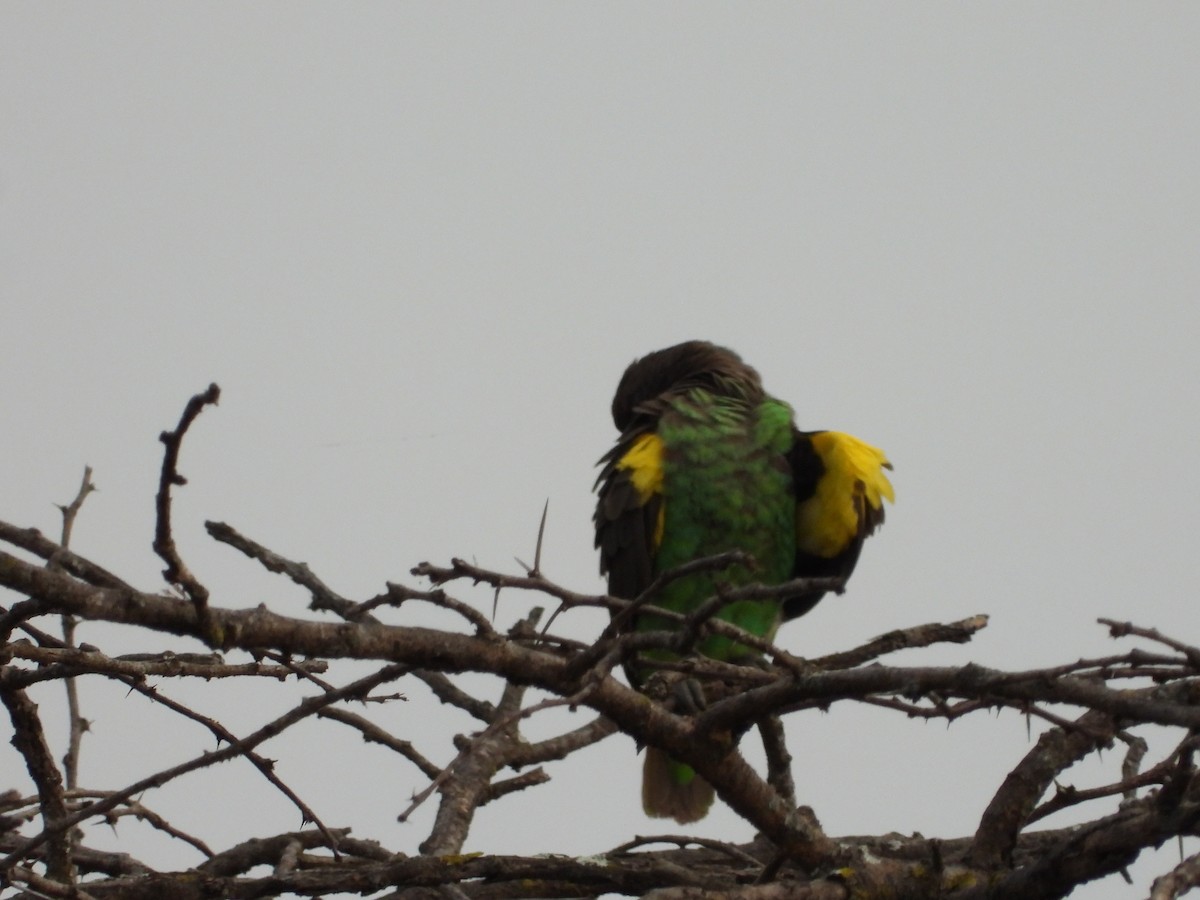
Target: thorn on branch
{"points": [[537, 554]]}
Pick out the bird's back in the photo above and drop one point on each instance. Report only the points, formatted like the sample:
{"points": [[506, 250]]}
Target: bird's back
{"points": [[726, 486]]}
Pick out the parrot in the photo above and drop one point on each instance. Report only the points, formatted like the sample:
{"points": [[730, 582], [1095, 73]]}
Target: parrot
{"points": [[707, 462]]}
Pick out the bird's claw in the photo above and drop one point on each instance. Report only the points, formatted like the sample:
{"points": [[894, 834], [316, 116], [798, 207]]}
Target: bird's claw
{"points": [[689, 697]]}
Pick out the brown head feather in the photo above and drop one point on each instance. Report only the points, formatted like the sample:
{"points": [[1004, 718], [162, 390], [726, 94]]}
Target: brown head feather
{"points": [[682, 367]]}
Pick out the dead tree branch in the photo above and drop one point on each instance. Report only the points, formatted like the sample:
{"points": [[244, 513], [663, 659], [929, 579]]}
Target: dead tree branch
{"points": [[1079, 707], [176, 572]]}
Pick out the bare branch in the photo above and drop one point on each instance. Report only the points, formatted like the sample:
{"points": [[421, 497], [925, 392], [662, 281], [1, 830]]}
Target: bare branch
{"points": [[77, 725], [372, 733], [561, 746], [71, 510], [1088, 704], [1012, 805], [309, 707], [1121, 629], [67, 662], [323, 598], [30, 741], [33, 541], [1178, 881], [177, 573], [46, 887], [959, 632]]}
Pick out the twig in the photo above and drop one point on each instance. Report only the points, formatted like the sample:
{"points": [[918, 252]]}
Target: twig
{"points": [[1120, 629], [448, 692], [136, 809], [372, 733], [77, 725], [779, 759], [683, 840], [959, 632], [71, 510], [1071, 796], [68, 662], [176, 572], [562, 745], [323, 598], [39, 545], [461, 570], [498, 789], [398, 593], [1132, 764]]}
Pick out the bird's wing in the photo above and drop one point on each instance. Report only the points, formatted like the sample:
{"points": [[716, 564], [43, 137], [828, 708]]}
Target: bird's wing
{"points": [[629, 512], [840, 483]]}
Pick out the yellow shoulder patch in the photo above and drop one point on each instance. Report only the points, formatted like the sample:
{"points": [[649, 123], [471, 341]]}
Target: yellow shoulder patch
{"points": [[853, 481], [644, 462]]}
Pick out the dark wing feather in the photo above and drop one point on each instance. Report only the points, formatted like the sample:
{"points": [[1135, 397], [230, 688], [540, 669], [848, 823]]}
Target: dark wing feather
{"points": [[624, 526]]}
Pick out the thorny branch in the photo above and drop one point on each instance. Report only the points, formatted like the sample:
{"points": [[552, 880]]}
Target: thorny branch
{"points": [[1085, 706]]}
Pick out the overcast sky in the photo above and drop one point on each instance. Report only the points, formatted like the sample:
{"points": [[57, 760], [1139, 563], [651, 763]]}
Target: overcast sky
{"points": [[417, 244]]}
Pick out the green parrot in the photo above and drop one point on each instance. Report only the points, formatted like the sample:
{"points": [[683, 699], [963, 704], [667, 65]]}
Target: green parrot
{"points": [[708, 462]]}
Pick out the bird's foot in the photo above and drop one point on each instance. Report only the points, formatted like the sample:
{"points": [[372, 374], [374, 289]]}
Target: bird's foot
{"points": [[689, 697]]}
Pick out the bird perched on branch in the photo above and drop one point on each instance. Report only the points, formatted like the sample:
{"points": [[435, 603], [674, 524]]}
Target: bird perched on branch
{"points": [[708, 462]]}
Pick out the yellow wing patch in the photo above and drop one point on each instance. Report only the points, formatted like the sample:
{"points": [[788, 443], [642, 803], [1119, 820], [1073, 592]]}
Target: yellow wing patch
{"points": [[828, 521], [644, 462]]}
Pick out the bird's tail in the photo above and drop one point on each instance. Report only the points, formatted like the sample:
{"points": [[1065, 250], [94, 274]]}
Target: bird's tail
{"points": [[672, 790]]}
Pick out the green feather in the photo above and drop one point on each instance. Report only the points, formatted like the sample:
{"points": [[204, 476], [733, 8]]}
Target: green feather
{"points": [[723, 489]]}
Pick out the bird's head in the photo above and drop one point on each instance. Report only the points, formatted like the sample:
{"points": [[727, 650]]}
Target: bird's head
{"points": [[684, 366]]}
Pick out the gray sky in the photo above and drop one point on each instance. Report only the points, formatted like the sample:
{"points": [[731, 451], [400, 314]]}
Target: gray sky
{"points": [[417, 244]]}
